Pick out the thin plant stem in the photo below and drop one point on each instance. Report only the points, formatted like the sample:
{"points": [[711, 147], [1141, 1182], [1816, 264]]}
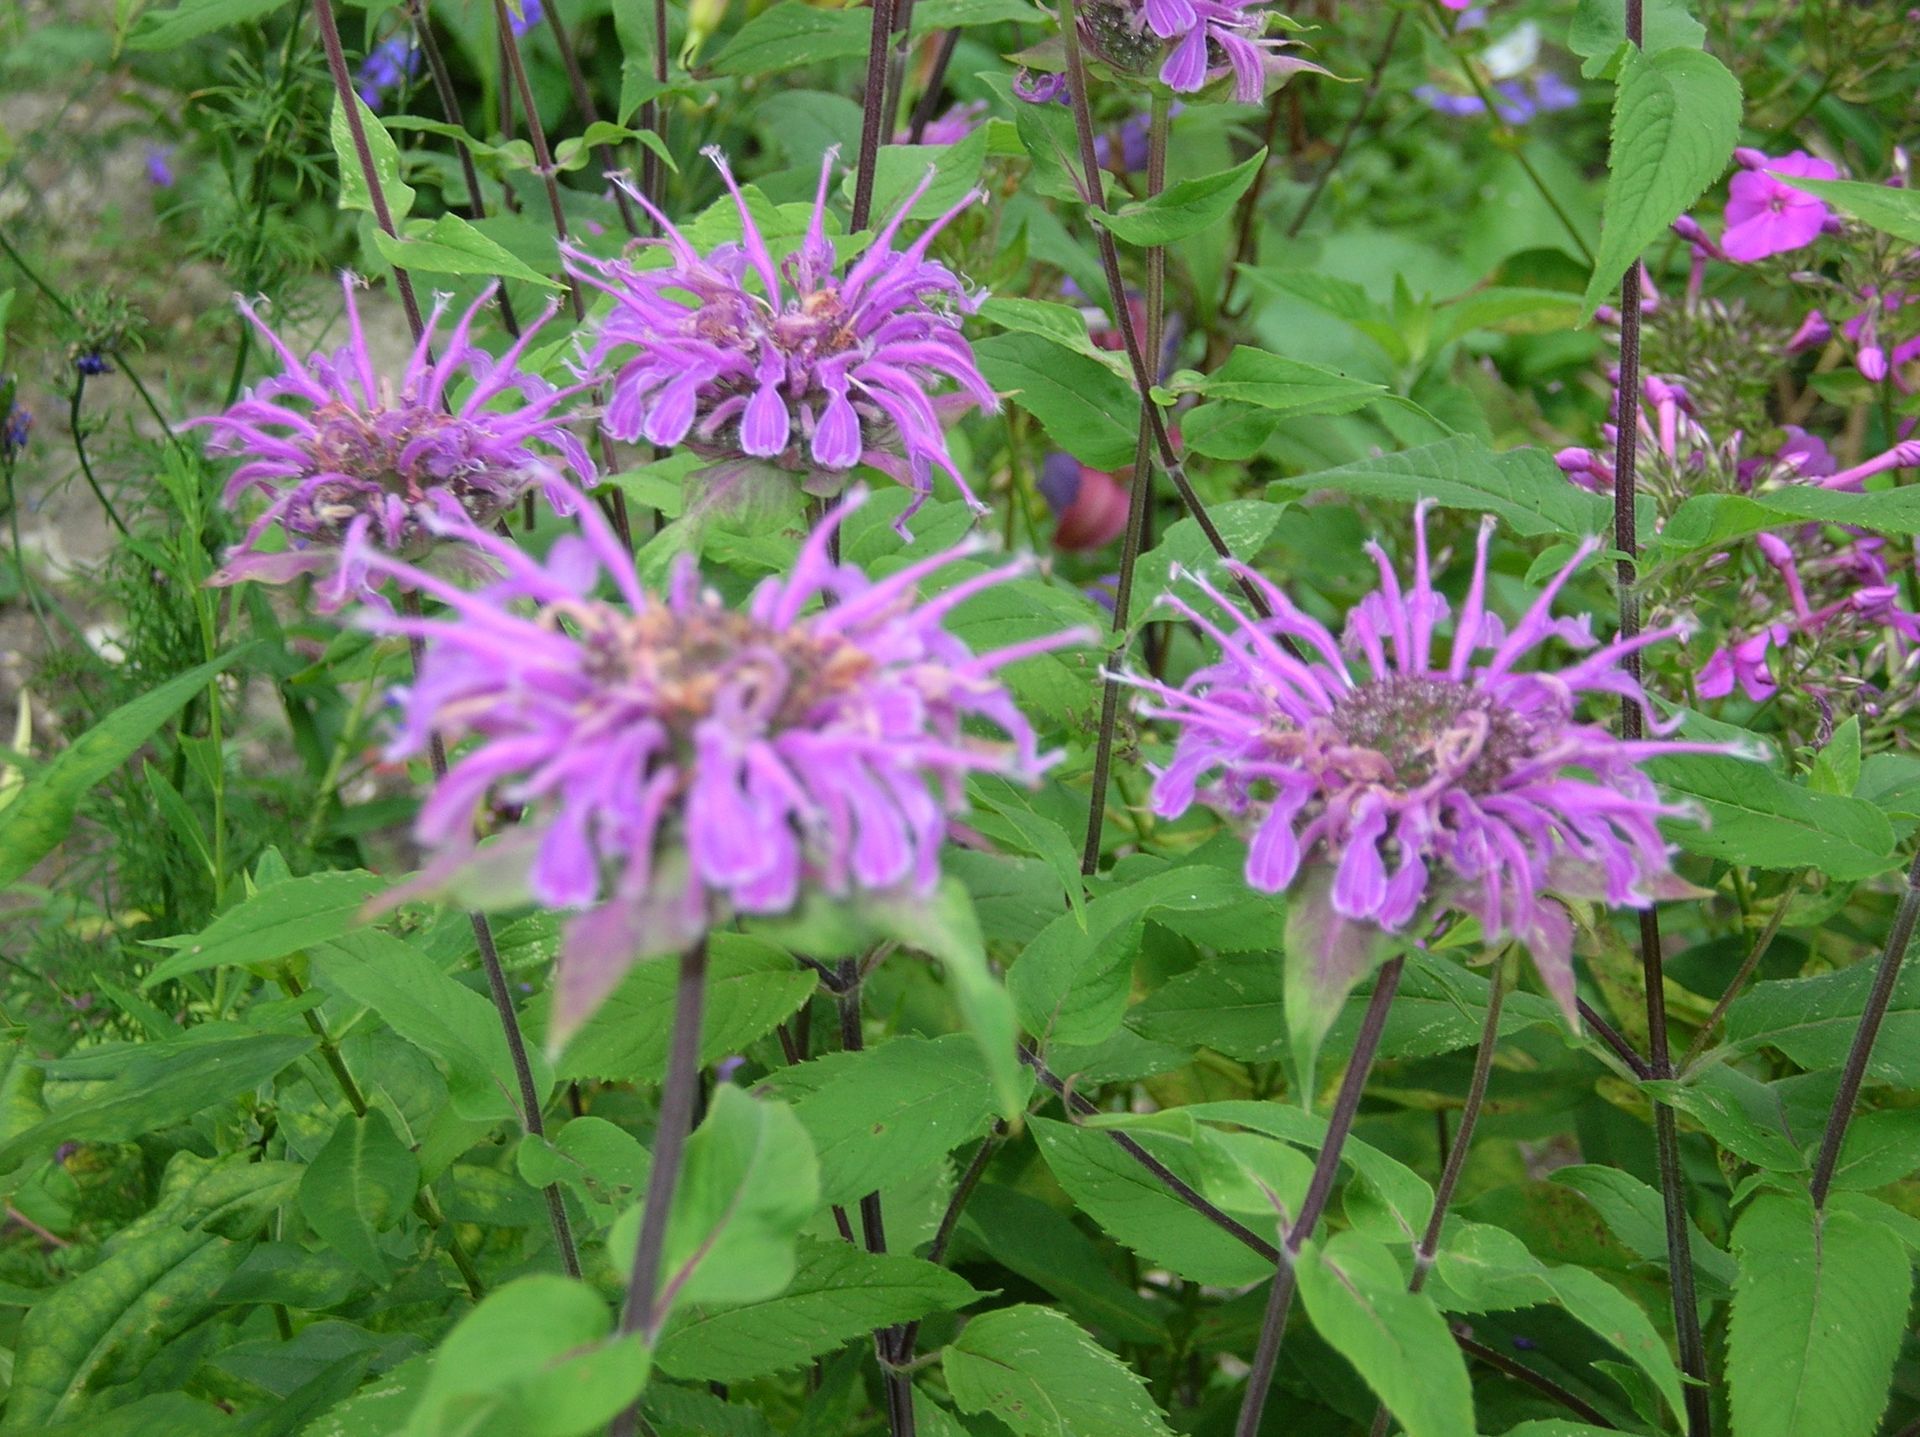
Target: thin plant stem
{"points": [[1351, 128], [653, 116], [1539, 1381], [1879, 999], [363, 152], [929, 103], [887, 1341], [1540, 186], [450, 107], [1761, 946], [590, 114], [950, 1222], [1686, 1308], [1613, 1038], [873, 116], [86, 464], [897, 65], [1139, 499], [1093, 187], [1455, 1161], [1273, 1326], [644, 1312], [531, 1119]]}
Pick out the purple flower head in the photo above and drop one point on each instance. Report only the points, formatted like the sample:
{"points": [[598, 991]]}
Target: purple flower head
{"points": [[950, 128], [1878, 351], [531, 14], [14, 434], [1397, 782], [1040, 89], [793, 363], [1209, 40], [388, 66], [680, 760], [160, 166], [1767, 216], [92, 363], [353, 464]]}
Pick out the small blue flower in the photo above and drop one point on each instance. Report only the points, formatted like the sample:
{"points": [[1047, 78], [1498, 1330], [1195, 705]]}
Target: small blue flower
{"points": [[13, 438], [92, 363], [531, 14], [160, 166], [388, 65]]}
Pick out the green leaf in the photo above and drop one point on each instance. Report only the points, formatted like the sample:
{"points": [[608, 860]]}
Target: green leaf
{"points": [[144, 1087], [1813, 1020], [442, 1017], [1600, 29], [450, 245], [170, 29], [532, 1360], [1711, 521], [1633, 1212], [1085, 407], [838, 1293], [790, 35], [1030, 1237], [891, 1112], [354, 194], [282, 918], [750, 1183], [601, 1161], [1755, 816], [1357, 1296], [359, 1185], [1287, 388], [1511, 311], [899, 169], [40, 814], [1675, 117], [1070, 984], [1891, 211], [1007, 815], [1184, 208], [751, 987], [101, 1329], [1244, 525], [1137, 1210], [1042, 1376], [1524, 487], [1482, 1268], [1744, 1115], [1818, 1315]]}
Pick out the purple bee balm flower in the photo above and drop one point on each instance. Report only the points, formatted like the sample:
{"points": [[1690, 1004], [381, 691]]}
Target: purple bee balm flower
{"points": [[680, 760], [793, 364], [388, 66], [1393, 784], [353, 464], [1766, 215]]}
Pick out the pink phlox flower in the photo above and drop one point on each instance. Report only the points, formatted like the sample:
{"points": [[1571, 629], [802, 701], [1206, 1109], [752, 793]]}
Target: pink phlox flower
{"points": [[1416, 775], [353, 463], [1767, 216]]}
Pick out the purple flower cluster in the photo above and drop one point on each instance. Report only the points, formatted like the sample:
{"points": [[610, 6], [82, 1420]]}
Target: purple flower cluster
{"points": [[388, 66], [792, 363], [1400, 782], [1516, 102], [353, 465], [680, 759], [1196, 42]]}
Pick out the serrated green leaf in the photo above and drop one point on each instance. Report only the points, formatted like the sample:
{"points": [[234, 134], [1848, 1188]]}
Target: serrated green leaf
{"points": [[1287, 388], [1357, 1297], [451, 245], [1600, 29], [1813, 1020], [838, 1294], [1184, 208], [1633, 1212], [354, 194], [1041, 1244], [284, 918], [1818, 1315], [1524, 487], [359, 1185], [1755, 816], [1882, 207], [1085, 407], [1042, 1376], [792, 34], [1675, 117]]}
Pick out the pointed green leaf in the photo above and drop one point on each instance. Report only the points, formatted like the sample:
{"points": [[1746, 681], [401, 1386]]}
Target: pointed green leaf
{"points": [[359, 1185], [451, 245], [1184, 208], [1041, 1375], [354, 194], [277, 920]]}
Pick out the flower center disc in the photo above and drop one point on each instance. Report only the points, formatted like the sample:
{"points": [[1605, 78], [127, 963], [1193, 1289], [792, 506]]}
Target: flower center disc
{"points": [[1427, 728]]}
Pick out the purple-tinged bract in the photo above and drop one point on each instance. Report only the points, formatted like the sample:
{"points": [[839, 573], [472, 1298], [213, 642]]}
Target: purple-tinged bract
{"points": [[680, 760], [1394, 782], [793, 363], [353, 463]]}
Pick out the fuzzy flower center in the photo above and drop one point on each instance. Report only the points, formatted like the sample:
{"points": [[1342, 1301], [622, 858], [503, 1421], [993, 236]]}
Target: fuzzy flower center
{"points": [[1413, 730], [686, 661]]}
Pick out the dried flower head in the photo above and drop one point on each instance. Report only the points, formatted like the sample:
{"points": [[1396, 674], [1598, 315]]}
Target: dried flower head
{"points": [[793, 364], [1394, 783], [680, 760], [352, 463]]}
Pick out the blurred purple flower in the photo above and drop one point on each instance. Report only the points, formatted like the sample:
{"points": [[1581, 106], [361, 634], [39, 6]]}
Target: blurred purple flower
{"points": [[92, 363], [1766, 216], [1877, 353], [950, 128], [1089, 506], [160, 166], [680, 760], [354, 465], [388, 66], [1516, 102], [810, 371], [531, 14], [1422, 784], [18, 428]]}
